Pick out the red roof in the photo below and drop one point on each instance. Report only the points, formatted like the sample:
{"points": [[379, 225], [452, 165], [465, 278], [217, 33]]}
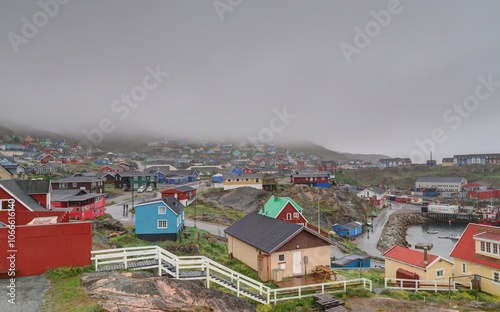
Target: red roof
{"points": [[410, 256], [464, 249]]}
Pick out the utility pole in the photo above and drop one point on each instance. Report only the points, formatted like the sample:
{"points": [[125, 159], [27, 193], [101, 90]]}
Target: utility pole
{"points": [[195, 212], [319, 221]]}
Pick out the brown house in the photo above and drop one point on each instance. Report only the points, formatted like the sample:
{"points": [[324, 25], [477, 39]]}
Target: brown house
{"points": [[276, 248], [89, 184]]}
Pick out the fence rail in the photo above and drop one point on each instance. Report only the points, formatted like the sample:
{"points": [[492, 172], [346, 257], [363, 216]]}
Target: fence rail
{"points": [[425, 285], [203, 268]]}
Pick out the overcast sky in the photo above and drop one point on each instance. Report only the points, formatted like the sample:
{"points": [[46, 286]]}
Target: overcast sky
{"points": [[360, 77]]}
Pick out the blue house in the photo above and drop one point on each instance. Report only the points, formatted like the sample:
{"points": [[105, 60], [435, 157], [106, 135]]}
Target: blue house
{"points": [[237, 170], [352, 261], [159, 219], [350, 229], [176, 179]]}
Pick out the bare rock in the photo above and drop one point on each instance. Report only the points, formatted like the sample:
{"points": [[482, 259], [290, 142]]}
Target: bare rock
{"points": [[127, 291]]}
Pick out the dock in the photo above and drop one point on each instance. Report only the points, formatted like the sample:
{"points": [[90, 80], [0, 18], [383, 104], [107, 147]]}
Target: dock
{"points": [[453, 217]]}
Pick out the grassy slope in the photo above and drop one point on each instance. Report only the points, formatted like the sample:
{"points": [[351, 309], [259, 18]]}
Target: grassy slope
{"points": [[405, 177]]}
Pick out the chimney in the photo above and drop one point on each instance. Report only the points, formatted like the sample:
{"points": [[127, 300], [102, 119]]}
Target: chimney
{"points": [[425, 256]]}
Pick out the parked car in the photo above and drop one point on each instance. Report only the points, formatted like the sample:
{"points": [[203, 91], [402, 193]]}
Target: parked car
{"points": [[149, 189], [141, 189]]}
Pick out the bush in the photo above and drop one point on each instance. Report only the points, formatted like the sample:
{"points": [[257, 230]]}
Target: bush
{"points": [[65, 272]]}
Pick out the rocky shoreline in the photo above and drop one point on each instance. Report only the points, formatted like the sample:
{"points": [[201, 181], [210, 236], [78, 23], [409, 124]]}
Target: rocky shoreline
{"points": [[395, 229]]}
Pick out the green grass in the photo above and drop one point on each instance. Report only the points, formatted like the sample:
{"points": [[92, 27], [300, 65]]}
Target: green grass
{"points": [[66, 293], [207, 209]]}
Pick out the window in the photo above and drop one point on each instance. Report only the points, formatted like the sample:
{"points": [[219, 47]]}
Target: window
{"points": [[281, 258], [295, 215], [257, 180], [288, 216], [135, 178], [162, 210], [62, 185], [488, 247], [483, 246], [495, 249], [237, 180], [178, 220], [74, 184], [162, 224], [4, 205], [440, 273], [464, 268], [228, 180], [496, 277]]}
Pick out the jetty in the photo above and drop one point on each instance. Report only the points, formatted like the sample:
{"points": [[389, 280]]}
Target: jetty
{"points": [[459, 217]]}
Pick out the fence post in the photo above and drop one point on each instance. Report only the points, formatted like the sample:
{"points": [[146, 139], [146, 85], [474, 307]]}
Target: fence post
{"points": [[345, 286], [208, 274], [125, 258], [238, 287], [160, 264]]}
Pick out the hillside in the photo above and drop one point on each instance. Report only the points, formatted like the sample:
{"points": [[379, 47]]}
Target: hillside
{"points": [[314, 149], [405, 177], [336, 206], [374, 158]]}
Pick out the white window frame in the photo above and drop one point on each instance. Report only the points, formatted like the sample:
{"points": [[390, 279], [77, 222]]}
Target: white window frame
{"points": [[284, 259], [162, 210], [161, 221], [295, 215], [438, 272], [464, 268], [288, 216], [2, 201], [493, 280]]}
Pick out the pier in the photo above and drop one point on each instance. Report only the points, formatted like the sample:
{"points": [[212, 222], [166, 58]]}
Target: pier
{"points": [[453, 217]]}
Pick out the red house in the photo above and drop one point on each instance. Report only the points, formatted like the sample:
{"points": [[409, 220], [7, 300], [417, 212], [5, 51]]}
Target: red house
{"points": [[35, 239], [284, 208], [311, 178], [185, 194], [48, 158], [83, 205]]}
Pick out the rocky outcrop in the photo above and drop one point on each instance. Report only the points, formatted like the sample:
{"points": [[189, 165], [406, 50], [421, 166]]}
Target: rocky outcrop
{"points": [[127, 292], [246, 199], [395, 229], [108, 224]]}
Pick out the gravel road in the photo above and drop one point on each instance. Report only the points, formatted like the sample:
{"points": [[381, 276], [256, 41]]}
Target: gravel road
{"points": [[29, 291]]}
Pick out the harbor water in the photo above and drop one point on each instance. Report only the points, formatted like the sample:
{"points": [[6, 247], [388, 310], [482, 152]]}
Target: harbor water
{"points": [[441, 246]]}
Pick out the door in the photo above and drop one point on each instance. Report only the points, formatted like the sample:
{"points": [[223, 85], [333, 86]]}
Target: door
{"points": [[297, 263], [263, 267]]}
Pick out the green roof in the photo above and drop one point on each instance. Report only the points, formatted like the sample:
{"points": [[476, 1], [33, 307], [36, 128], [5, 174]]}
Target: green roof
{"points": [[274, 206]]}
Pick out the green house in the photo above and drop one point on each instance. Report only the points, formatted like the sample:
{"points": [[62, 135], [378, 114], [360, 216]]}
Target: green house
{"points": [[134, 179], [283, 208]]}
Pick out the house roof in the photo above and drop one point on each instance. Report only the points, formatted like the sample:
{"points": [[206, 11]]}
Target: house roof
{"points": [[352, 225], [13, 188], [350, 258], [72, 195], [410, 256], [243, 175], [134, 174], [35, 186], [275, 205], [465, 247], [183, 189], [171, 202], [440, 179], [265, 233], [77, 179], [377, 190]]}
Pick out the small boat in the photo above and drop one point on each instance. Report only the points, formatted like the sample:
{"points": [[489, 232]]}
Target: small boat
{"points": [[454, 236], [443, 237], [432, 232]]}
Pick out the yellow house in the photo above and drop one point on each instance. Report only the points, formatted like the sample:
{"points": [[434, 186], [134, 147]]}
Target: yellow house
{"points": [[232, 181], [401, 262], [6, 175], [275, 248], [477, 257]]}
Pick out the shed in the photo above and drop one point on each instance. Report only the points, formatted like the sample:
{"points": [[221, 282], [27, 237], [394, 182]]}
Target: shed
{"points": [[350, 229], [218, 178], [352, 261]]}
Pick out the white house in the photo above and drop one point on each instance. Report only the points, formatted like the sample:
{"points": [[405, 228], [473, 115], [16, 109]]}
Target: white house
{"points": [[449, 184]]}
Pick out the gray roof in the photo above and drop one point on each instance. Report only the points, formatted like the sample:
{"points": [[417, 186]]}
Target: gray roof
{"points": [[183, 188], [377, 189], [35, 186], [265, 233], [171, 202], [78, 179], [134, 174], [13, 187], [350, 258], [71, 195], [352, 225], [440, 180]]}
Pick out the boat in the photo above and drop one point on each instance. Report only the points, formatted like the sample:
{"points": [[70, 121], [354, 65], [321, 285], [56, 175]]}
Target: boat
{"points": [[455, 236], [443, 237], [432, 232]]}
